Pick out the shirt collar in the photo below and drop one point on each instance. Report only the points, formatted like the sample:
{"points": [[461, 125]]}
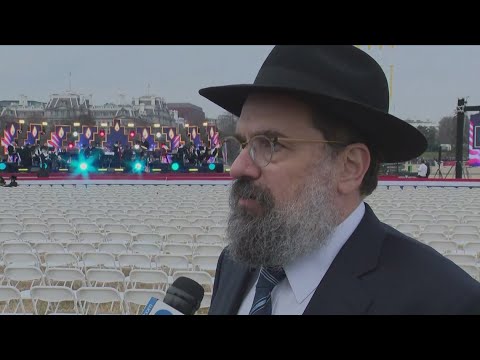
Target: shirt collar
{"points": [[306, 273]]}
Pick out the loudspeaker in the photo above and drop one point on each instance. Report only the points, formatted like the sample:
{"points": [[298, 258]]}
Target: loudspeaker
{"points": [[43, 173]]}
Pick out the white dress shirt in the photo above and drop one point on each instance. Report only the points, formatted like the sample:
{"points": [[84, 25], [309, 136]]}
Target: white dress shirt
{"points": [[292, 295], [422, 170]]}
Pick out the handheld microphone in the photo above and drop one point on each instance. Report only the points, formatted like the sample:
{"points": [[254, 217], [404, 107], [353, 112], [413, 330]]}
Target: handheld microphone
{"points": [[183, 297]]}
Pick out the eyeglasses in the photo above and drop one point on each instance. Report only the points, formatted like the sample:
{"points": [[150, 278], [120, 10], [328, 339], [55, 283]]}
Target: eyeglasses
{"points": [[260, 148]]}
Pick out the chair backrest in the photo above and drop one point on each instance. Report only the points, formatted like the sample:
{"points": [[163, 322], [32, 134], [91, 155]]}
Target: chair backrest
{"points": [[88, 228], [443, 247], [79, 248], [209, 250], [157, 278], [149, 238], [95, 300], [178, 249], [134, 261], [21, 259], [36, 227], [207, 263], [145, 248], [11, 301], [55, 297], [99, 259], [90, 237], [139, 229], [209, 239], [170, 263], [119, 237], [64, 237], [106, 278], [23, 278], [8, 236], [217, 231], [180, 238], [61, 260], [16, 246], [113, 248], [71, 277], [136, 299], [33, 236]]}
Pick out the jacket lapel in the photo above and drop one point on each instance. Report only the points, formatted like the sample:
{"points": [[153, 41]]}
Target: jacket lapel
{"points": [[341, 290], [229, 300]]}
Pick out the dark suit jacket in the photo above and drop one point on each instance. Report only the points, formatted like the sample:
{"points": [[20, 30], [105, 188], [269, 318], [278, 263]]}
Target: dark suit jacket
{"points": [[378, 271]]}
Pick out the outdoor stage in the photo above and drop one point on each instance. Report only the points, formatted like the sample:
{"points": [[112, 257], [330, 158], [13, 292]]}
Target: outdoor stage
{"points": [[199, 179]]}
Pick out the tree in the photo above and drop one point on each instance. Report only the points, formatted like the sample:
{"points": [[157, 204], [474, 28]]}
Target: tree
{"points": [[226, 124], [431, 134], [447, 130]]}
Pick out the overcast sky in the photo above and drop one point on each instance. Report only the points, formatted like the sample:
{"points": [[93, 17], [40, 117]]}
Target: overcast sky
{"points": [[427, 80]]}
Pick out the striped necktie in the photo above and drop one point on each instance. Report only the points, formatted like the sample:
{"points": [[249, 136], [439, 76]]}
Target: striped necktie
{"points": [[268, 279]]}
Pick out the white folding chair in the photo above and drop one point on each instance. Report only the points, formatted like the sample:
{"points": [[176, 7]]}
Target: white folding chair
{"points": [[172, 263], [11, 301], [156, 278], [69, 277], [209, 239], [58, 299], [63, 237], [16, 246], [178, 249], [8, 236], [23, 278], [136, 299], [208, 250], [99, 260], [79, 249], [205, 263], [131, 261], [95, 300], [21, 259], [180, 238], [149, 238], [60, 260], [145, 248], [106, 278]]}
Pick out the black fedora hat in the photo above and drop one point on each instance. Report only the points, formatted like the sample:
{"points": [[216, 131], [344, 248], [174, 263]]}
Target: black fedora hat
{"points": [[344, 80]]}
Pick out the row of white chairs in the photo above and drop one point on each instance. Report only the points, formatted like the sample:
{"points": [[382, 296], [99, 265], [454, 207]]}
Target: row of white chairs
{"points": [[24, 278], [114, 227], [35, 237], [84, 301], [113, 248], [125, 261]]}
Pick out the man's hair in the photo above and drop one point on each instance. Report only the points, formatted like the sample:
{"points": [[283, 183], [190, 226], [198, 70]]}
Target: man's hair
{"points": [[338, 129]]}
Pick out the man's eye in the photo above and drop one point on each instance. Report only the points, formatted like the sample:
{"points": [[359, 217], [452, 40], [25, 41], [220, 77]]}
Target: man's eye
{"points": [[278, 147]]}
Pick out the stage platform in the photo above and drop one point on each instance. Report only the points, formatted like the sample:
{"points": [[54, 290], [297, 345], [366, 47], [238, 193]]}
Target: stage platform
{"points": [[200, 179]]}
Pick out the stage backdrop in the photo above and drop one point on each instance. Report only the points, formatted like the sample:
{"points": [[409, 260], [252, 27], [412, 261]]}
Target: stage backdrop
{"points": [[9, 135], [474, 141]]}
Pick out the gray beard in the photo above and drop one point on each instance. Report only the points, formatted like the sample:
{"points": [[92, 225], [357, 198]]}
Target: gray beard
{"points": [[282, 233]]}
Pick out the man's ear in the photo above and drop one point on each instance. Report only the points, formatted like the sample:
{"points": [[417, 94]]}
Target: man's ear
{"points": [[353, 163]]}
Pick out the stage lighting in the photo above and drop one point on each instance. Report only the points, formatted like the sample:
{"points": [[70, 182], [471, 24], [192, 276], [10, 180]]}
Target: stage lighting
{"points": [[83, 166], [137, 167], [136, 146], [75, 133], [159, 135], [132, 134], [175, 166], [102, 133], [3, 166], [70, 146], [211, 167]]}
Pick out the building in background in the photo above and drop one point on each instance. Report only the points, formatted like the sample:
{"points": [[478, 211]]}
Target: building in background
{"points": [[192, 114]]}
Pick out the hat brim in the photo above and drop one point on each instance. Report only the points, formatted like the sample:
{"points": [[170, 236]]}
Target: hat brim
{"points": [[393, 138]]}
